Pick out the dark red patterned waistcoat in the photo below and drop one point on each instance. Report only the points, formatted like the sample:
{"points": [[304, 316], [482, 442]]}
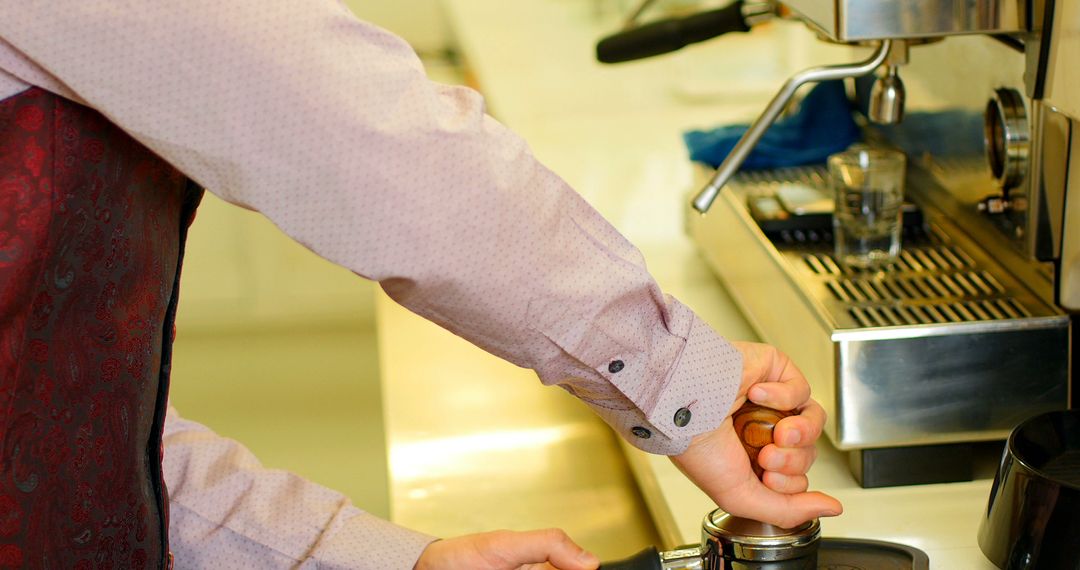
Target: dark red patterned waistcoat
{"points": [[91, 236]]}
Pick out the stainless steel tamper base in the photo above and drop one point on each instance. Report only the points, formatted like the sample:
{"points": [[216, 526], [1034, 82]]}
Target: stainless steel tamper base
{"points": [[733, 538]]}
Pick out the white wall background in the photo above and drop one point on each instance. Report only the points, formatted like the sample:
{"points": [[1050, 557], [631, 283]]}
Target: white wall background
{"points": [[420, 22]]}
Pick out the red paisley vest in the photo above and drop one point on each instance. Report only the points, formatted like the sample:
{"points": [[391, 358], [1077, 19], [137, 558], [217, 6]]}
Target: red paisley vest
{"points": [[92, 226]]}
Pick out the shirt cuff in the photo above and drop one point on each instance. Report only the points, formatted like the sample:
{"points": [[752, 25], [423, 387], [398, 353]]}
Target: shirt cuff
{"points": [[697, 395], [701, 387], [659, 394], [368, 542]]}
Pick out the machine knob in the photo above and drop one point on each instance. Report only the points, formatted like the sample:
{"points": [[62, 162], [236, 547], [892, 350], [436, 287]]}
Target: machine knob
{"points": [[1007, 138]]}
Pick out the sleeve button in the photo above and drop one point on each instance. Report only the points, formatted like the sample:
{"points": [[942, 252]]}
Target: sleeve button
{"points": [[641, 432], [616, 366], [682, 417]]}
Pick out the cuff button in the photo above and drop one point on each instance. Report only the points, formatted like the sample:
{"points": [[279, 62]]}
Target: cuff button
{"points": [[641, 432], [616, 366], [682, 417]]}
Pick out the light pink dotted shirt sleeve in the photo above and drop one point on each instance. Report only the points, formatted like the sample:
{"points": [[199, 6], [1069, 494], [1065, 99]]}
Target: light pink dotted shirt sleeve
{"points": [[227, 511], [329, 127]]}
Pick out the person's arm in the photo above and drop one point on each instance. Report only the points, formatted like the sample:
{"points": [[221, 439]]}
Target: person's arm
{"points": [[329, 127], [226, 510]]}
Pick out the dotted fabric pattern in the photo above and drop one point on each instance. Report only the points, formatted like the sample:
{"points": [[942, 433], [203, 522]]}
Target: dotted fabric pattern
{"points": [[227, 511], [328, 126]]}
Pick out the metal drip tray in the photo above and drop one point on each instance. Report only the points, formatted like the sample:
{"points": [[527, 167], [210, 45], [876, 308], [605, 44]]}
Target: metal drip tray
{"points": [[932, 283], [944, 346]]}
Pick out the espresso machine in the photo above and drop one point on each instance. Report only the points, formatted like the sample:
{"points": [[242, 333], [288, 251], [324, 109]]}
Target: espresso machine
{"points": [[942, 353]]}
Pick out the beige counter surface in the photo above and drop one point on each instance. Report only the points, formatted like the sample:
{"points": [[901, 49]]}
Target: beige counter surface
{"points": [[614, 134]]}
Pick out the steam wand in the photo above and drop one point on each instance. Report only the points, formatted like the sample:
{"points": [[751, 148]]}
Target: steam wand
{"points": [[703, 201]]}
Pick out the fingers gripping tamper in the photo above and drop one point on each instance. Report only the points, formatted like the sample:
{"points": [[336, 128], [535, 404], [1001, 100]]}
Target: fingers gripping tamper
{"points": [[737, 543], [734, 543]]}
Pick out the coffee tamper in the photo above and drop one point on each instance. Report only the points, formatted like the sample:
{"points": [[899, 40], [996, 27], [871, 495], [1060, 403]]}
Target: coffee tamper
{"points": [[733, 543]]}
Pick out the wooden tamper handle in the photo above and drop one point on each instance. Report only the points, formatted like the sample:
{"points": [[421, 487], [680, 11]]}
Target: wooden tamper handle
{"points": [[734, 542], [754, 424]]}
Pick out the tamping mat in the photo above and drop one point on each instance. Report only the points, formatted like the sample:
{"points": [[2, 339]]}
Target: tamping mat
{"points": [[857, 554]]}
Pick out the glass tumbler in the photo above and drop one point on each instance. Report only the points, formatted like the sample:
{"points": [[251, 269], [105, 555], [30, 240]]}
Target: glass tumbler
{"points": [[868, 185]]}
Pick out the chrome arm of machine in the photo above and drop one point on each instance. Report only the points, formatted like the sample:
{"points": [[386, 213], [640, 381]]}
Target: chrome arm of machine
{"points": [[749, 140], [860, 20]]}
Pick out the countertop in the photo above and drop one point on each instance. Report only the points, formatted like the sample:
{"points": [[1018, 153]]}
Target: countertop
{"points": [[614, 134]]}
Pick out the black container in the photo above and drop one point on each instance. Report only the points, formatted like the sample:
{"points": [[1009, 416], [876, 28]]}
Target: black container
{"points": [[1033, 518]]}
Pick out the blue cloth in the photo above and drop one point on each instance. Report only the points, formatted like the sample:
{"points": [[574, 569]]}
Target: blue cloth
{"points": [[822, 126]]}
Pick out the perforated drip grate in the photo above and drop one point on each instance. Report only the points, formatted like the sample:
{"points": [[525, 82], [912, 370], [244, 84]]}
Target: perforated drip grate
{"points": [[912, 259], [938, 313], [928, 285], [915, 287], [933, 284], [816, 176], [934, 281]]}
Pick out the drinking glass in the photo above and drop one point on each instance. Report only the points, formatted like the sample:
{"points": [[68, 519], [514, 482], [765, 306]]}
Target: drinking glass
{"points": [[868, 185]]}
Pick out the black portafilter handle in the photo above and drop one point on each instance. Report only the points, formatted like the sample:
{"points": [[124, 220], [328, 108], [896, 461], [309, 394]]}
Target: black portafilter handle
{"points": [[672, 34], [648, 559]]}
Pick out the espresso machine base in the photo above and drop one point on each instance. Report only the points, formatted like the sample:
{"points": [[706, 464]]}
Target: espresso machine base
{"points": [[924, 464], [945, 348]]}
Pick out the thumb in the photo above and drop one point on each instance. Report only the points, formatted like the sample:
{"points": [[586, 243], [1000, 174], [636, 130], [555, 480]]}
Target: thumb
{"points": [[783, 510], [536, 546]]}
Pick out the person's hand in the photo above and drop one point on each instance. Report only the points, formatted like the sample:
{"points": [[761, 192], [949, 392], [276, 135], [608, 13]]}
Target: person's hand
{"points": [[717, 463], [547, 549]]}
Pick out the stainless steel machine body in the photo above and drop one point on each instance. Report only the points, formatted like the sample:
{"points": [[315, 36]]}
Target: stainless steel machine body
{"points": [[945, 346], [969, 333], [860, 20]]}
